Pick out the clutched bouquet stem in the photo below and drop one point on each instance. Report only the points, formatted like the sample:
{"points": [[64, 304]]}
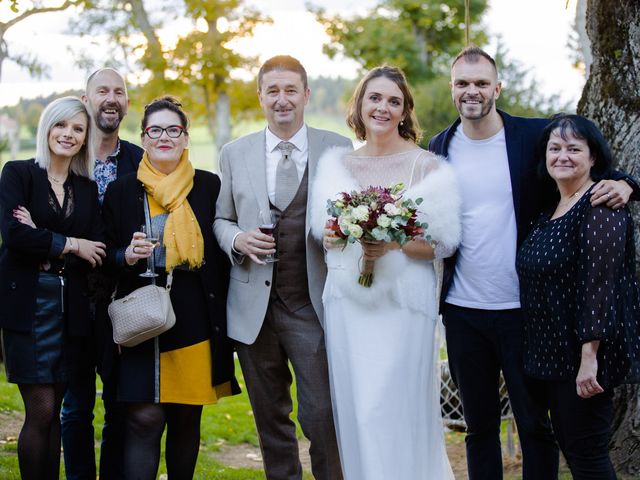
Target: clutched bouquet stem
{"points": [[366, 273], [375, 214]]}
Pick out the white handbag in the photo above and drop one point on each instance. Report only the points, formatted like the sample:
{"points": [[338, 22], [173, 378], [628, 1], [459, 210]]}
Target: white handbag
{"points": [[144, 313]]}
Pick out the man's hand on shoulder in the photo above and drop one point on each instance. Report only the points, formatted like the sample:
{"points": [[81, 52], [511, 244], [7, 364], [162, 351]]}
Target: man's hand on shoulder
{"points": [[254, 244], [613, 193]]}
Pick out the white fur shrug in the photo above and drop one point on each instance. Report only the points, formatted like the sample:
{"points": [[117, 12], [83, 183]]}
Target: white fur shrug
{"points": [[409, 282]]}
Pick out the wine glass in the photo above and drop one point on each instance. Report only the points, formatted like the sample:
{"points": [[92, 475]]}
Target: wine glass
{"points": [[154, 240], [268, 219]]}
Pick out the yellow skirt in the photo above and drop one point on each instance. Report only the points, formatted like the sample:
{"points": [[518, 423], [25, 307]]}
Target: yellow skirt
{"points": [[185, 376]]}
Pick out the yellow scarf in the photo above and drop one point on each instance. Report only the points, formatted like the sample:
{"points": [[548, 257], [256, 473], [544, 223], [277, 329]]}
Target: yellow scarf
{"points": [[182, 236]]}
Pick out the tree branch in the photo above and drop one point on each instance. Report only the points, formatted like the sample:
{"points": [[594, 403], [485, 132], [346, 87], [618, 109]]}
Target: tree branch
{"points": [[4, 26]]}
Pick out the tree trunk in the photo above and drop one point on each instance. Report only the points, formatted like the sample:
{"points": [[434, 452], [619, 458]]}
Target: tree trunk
{"points": [[626, 426], [583, 38], [610, 97], [153, 58], [223, 120]]}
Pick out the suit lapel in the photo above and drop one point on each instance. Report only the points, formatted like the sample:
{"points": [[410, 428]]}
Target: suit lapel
{"points": [[315, 138], [513, 139]]}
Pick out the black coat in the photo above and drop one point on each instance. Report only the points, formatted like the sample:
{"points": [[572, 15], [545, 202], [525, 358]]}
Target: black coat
{"points": [[123, 213], [24, 248], [128, 158]]}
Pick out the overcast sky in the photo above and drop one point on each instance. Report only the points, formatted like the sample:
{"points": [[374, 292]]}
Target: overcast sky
{"points": [[535, 32]]}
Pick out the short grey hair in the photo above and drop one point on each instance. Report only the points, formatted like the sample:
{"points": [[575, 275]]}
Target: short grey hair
{"points": [[83, 162]]}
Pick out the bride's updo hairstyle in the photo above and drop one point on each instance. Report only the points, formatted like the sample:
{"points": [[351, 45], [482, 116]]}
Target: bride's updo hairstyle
{"points": [[409, 128]]}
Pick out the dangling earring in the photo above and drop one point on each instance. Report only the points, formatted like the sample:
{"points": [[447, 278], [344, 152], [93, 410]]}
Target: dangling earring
{"points": [[402, 123]]}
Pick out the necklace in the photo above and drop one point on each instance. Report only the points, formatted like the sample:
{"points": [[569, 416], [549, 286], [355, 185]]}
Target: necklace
{"points": [[574, 195], [55, 180]]}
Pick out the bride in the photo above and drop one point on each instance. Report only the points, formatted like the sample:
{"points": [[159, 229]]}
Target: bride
{"points": [[381, 341]]}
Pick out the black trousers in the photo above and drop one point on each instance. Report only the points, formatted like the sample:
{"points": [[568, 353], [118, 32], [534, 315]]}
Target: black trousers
{"points": [[583, 429], [480, 343]]}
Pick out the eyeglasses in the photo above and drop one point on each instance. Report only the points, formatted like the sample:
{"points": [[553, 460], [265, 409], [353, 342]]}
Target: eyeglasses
{"points": [[173, 131]]}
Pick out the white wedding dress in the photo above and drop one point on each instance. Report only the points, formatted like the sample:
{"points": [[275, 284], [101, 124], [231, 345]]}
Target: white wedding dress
{"points": [[381, 341]]}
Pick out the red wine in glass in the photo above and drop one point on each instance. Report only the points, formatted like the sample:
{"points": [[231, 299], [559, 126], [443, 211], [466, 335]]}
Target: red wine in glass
{"points": [[268, 221], [267, 229]]}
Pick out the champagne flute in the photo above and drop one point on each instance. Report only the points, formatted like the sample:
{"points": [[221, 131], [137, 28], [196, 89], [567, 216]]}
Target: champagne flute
{"points": [[268, 219], [154, 240]]}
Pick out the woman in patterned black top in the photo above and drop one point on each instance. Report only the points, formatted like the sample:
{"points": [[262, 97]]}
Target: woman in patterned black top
{"points": [[580, 297]]}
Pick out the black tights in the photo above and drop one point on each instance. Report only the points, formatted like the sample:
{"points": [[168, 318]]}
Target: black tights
{"points": [[145, 425], [39, 440]]}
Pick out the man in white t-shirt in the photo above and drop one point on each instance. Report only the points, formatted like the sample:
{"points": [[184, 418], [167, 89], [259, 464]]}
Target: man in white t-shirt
{"points": [[494, 156]]}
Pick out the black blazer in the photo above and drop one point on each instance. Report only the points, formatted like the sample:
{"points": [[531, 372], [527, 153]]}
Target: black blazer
{"points": [[128, 158], [100, 282], [123, 213], [530, 194], [24, 248]]}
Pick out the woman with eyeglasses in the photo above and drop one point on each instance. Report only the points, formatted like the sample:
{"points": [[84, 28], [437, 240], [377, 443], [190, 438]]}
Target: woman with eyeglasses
{"points": [[166, 380]]}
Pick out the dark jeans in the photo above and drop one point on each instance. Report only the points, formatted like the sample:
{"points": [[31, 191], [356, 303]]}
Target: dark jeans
{"points": [[480, 343], [583, 429], [77, 417]]}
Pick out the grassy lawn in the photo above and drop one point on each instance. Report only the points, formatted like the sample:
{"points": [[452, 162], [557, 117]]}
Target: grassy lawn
{"points": [[230, 422]]}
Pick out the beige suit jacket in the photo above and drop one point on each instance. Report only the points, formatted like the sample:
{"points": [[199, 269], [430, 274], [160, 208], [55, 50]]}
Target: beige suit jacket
{"points": [[242, 196]]}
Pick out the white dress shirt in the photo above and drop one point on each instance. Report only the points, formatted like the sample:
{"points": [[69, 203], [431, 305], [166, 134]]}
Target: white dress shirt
{"points": [[299, 155]]}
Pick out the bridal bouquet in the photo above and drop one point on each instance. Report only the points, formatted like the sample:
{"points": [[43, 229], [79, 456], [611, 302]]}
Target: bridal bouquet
{"points": [[376, 214]]}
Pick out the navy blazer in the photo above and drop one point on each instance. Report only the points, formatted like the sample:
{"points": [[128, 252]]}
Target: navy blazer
{"points": [[530, 194], [24, 248], [128, 158]]}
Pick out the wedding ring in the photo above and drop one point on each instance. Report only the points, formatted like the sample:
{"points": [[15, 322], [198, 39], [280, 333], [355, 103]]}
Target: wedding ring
{"points": [[608, 197], [133, 249]]}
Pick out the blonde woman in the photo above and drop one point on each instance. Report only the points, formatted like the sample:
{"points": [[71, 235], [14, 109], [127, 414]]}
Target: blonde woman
{"points": [[51, 232]]}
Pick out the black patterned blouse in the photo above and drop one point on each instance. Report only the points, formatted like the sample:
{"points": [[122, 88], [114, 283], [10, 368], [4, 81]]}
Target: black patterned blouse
{"points": [[578, 284]]}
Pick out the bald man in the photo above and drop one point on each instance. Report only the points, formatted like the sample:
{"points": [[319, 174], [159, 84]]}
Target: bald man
{"points": [[107, 101]]}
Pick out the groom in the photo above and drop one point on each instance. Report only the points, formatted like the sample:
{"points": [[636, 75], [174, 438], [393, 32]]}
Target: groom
{"points": [[274, 310]]}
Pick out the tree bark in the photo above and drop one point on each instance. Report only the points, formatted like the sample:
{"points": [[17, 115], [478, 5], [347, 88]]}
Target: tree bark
{"points": [[583, 38], [610, 98], [223, 120]]}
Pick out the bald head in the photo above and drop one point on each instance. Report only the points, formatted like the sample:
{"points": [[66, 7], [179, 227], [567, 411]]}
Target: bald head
{"points": [[107, 72], [106, 99]]}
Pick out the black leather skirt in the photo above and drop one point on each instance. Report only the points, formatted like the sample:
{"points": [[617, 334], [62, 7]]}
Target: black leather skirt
{"points": [[40, 356]]}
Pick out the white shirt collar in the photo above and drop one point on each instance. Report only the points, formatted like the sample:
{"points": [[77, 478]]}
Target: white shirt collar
{"points": [[299, 139]]}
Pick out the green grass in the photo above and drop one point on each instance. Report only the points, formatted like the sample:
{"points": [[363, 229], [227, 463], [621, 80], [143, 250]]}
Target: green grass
{"points": [[230, 422]]}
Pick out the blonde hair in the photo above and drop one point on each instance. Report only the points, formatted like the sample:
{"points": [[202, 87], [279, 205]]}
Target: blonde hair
{"points": [[83, 162]]}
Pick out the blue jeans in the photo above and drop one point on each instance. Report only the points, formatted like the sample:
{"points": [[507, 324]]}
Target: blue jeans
{"points": [[480, 343], [77, 417]]}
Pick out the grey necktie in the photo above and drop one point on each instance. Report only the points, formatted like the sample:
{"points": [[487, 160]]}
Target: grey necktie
{"points": [[286, 177]]}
